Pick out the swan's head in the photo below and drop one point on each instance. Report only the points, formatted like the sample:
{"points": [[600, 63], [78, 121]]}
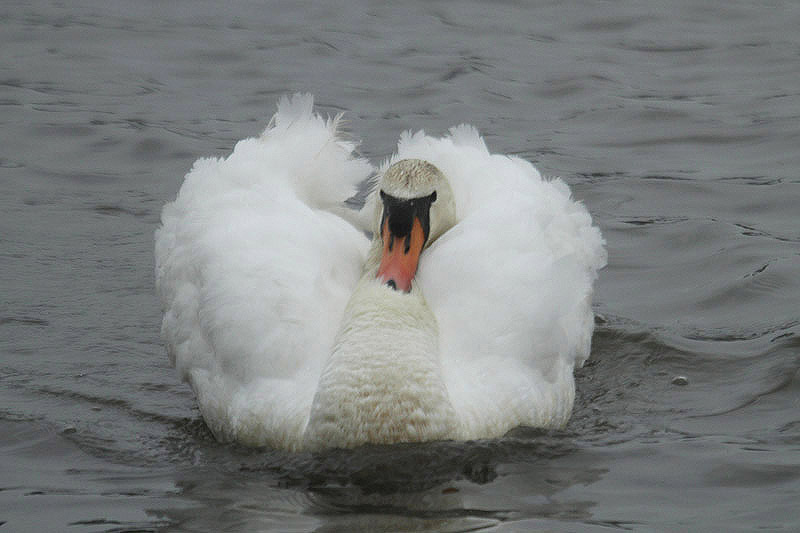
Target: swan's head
{"points": [[416, 208]]}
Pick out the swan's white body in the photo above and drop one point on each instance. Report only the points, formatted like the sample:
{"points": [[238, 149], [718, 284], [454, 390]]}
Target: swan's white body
{"points": [[274, 315]]}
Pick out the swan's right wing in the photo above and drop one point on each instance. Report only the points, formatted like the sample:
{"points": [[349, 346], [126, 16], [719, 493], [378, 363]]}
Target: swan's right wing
{"points": [[510, 285], [254, 267]]}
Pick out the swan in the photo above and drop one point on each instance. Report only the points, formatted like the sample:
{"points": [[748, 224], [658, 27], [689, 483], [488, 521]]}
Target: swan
{"points": [[462, 317]]}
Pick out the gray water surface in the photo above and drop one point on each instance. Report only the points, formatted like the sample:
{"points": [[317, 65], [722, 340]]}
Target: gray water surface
{"points": [[676, 123]]}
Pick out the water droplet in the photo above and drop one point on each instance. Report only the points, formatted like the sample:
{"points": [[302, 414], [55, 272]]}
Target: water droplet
{"points": [[680, 380]]}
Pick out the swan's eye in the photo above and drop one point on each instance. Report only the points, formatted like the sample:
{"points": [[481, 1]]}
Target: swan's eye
{"points": [[433, 197]]}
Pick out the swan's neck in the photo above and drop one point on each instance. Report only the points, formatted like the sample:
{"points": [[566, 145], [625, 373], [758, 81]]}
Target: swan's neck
{"points": [[382, 382]]}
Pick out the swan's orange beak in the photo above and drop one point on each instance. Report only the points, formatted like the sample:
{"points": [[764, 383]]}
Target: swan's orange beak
{"points": [[400, 256]]}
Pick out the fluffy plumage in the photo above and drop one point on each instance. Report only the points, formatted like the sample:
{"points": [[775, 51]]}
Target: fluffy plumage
{"points": [[257, 258]]}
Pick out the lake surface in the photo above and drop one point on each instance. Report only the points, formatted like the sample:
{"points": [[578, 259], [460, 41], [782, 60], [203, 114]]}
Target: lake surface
{"points": [[677, 123]]}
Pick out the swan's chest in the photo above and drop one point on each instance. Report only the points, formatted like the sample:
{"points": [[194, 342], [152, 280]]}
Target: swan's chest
{"points": [[383, 381]]}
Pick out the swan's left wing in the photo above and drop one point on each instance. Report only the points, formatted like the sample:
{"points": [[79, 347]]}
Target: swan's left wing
{"points": [[510, 285], [254, 266]]}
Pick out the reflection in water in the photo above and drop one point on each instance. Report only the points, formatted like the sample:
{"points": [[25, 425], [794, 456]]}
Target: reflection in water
{"points": [[417, 487]]}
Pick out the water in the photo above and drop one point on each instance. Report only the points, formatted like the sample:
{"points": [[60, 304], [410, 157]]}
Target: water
{"points": [[677, 124]]}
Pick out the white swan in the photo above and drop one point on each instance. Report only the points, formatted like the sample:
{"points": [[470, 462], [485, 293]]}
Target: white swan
{"points": [[463, 319]]}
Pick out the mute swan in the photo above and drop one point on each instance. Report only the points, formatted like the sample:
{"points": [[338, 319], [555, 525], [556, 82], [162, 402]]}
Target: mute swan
{"points": [[462, 319]]}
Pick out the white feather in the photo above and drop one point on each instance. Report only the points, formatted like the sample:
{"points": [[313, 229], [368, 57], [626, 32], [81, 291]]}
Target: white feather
{"points": [[254, 274]]}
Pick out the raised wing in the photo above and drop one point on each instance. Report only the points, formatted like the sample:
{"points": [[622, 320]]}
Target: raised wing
{"points": [[510, 285], [254, 268]]}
